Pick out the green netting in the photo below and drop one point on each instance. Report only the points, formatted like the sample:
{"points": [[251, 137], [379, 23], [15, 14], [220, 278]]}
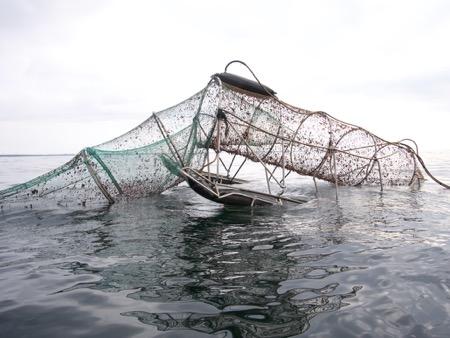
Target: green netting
{"points": [[133, 165]]}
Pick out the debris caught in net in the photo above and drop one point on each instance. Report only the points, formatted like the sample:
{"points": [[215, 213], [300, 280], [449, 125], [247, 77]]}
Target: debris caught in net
{"points": [[233, 115]]}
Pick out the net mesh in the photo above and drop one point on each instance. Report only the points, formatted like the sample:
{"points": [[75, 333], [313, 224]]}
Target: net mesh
{"points": [[147, 159], [313, 143]]}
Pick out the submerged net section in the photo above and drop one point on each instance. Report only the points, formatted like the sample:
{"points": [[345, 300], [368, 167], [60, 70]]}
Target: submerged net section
{"points": [[147, 159]]}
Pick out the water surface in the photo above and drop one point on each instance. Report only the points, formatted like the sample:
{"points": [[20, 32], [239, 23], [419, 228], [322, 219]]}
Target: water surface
{"points": [[371, 264]]}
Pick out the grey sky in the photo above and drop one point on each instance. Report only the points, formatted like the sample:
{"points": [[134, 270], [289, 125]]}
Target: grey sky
{"points": [[76, 73]]}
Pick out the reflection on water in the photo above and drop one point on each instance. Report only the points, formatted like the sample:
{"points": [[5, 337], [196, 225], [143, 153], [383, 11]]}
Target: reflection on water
{"points": [[373, 264], [234, 260]]}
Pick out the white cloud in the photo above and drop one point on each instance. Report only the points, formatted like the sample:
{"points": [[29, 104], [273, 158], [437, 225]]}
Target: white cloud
{"points": [[78, 64]]}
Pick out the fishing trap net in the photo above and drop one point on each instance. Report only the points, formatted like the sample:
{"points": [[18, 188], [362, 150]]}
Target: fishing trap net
{"points": [[233, 115]]}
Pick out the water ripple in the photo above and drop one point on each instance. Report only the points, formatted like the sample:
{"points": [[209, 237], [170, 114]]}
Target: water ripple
{"points": [[175, 265]]}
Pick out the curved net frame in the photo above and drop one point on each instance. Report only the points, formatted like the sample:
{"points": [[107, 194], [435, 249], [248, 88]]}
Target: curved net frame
{"points": [[147, 159], [314, 143]]}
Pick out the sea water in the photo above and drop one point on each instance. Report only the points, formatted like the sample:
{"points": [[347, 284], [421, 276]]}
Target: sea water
{"points": [[370, 264]]}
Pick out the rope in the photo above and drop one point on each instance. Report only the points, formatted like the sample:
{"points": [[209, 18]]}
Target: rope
{"points": [[422, 163], [92, 152], [96, 179]]}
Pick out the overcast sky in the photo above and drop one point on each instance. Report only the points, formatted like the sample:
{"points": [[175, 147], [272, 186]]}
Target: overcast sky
{"points": [[76, 73]]}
